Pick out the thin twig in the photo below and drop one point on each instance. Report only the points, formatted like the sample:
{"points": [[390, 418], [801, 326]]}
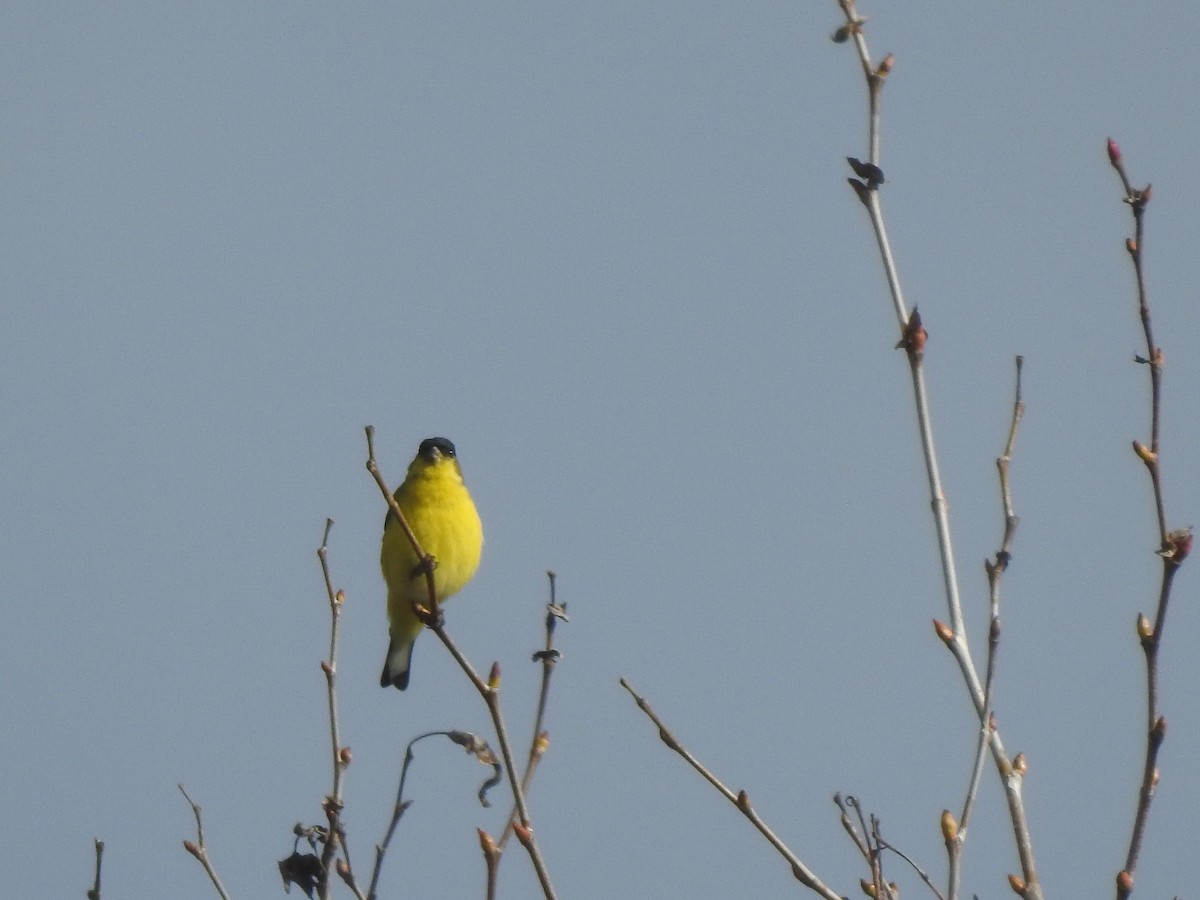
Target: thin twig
{"points": [[198, 849], [848, 825], [883, 890], [94, 893], [343, 866], [871, 853], [339, 755], [490, 692], [538, 744], [1174, 546], [1135, 246], [471, 743], [491, 861], [921, 873], [336, 600], [741, 800], [995, 571]]}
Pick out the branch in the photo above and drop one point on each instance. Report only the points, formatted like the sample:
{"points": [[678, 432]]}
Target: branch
{"points": [[913, 338], [921, 873], [540, 741], [198, 849], [995, 571], [340, 756], [432, 618], [94, 893], [1174, 546], [870, 844], [741, 800], [490, 692], [465, 739]]}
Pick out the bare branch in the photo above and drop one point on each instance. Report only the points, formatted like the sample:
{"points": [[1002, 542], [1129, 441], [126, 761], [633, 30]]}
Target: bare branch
{"points": [[913, 339], [94, 893], [465, 739], [1174, 546], [741, 800], [340, 756], [995, 571], [540, 741], [198, 849], [921, 873]]}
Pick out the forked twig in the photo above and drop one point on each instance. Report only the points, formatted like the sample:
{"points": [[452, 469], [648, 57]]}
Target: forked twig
{"points": [[995, 569], [913, 338]]}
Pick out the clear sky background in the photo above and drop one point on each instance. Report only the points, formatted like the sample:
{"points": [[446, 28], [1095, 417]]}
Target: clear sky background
{"points": [[608, 249]]}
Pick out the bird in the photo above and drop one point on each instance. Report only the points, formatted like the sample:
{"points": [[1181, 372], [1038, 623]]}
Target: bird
{"points": [[442, 515]]}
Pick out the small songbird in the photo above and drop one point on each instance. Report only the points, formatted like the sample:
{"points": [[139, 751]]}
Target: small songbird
{"points": [[442, 515]]}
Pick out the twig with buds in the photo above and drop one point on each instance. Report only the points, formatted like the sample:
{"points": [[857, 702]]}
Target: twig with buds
{"points": [[198, 849], [740, 799], [913, 340], [1174, 546], [335, 836]]}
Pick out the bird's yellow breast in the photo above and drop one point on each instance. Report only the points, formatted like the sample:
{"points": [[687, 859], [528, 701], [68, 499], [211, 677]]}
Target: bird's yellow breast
{"points": [[443, 517]]}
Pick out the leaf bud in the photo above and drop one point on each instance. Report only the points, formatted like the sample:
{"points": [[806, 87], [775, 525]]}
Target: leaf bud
{"points": [[1159, 731], [943, 632], [1181, 544], [743, 801], [1144, 453], [949, 826], [914, 336]]}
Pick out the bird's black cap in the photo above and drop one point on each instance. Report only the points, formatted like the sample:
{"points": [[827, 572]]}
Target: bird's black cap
{"points": [[441, 444]]}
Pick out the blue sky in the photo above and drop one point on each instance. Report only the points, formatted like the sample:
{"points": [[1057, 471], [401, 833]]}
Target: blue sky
{"points": [[608, 249]]}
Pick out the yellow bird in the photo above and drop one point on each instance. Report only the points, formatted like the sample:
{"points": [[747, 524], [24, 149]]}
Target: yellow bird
{"points": [[442, 515]]}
